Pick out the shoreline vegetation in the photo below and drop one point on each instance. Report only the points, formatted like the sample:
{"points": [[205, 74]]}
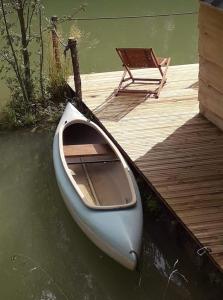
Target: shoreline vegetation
{"points": [[32, 65]]}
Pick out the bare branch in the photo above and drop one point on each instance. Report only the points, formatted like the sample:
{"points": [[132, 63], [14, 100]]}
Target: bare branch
{"points": [[71, 17], [27, 16], [16, 67], [25, 52], [41, 53], [28, 26]]}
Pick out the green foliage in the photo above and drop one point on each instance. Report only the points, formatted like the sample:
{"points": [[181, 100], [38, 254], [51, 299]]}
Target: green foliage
{"points": [[37, 113], [57, 85], [24, 33]]}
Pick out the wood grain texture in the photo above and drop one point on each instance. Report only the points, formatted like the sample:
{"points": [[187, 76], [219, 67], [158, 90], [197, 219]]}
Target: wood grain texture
{"points": [[173, 146], [210, 115], [86, 150], [211, 74], [211, 63], [210, 24]]}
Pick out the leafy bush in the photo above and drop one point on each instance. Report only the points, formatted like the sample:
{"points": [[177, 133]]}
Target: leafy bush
{"points": [[35, 96]]}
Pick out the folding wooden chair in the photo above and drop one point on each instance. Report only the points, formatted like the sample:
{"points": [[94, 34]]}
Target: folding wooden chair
{"points": [[141, 58]]}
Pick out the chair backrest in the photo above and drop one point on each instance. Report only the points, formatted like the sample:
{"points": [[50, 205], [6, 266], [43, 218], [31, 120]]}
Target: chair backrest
{"points": [[138, 57]]}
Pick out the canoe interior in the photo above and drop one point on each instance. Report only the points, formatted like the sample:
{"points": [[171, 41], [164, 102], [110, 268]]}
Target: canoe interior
{"points": [[95, 167]]}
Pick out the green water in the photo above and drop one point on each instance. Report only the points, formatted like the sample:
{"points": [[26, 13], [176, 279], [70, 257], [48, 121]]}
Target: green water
{"points": [[43, 254], [174, 36]]}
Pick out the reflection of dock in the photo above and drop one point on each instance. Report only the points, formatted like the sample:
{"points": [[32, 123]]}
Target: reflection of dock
{"points": [[175, 148]]}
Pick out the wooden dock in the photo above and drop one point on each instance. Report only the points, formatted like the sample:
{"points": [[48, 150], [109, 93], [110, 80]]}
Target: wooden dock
{"points": [[175, 148]]}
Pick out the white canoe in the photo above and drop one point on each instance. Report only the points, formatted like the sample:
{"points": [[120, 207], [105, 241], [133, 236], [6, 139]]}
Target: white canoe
{"points": [[98, 187]]}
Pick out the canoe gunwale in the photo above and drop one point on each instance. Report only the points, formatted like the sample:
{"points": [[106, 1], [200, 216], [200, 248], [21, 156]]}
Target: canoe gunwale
{"points": [[83, 120]]}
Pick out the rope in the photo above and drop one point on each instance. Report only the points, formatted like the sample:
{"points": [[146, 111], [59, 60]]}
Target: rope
{"points": [[203, 250], [60, 41], [66, 46], [130, 17], [115, 18], [173, 272]]}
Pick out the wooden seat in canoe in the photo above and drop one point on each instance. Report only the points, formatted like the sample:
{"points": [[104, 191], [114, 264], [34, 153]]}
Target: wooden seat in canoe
{"points": [[87, 150]]}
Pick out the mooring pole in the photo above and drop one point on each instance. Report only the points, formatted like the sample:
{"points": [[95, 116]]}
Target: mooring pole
{"points": [[55, 42], [72, 44]]}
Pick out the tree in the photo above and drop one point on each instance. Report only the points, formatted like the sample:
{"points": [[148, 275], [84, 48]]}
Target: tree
{"points": [[22, 49], [16, 43]]}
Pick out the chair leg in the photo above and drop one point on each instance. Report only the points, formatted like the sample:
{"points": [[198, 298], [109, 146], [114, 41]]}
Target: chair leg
{"points": [[120, 83], [147, 95], [120, 87], [163, 81]]}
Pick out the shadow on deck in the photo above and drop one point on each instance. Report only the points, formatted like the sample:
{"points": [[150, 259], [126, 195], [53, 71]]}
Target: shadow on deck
{"points": [[187, 171], [126, 103]]}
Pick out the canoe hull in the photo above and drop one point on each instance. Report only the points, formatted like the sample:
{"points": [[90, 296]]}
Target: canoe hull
{"points": [[117, 232]]}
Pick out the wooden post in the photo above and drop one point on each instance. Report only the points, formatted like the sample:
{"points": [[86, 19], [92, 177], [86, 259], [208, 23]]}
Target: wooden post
{"points": [[55, 41], [72, 44]]}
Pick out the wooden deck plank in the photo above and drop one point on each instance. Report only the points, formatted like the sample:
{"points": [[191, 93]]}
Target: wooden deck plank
{"points": [[175, 148]]}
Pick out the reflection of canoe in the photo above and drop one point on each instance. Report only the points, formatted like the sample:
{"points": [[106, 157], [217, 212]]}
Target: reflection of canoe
{"points": [[98, 187]]}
